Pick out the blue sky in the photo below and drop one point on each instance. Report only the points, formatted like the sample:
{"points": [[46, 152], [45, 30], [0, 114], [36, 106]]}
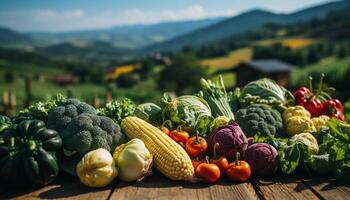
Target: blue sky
{"points": [[67, 15]]}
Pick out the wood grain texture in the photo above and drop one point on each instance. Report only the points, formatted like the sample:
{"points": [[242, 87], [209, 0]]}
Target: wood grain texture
{"points": [[67, 188], [328, 188], [159, 187], [282, 188]]}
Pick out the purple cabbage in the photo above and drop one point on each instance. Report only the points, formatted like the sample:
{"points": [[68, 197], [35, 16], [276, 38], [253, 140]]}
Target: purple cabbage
{"points": [[262, 158], [231, 140]]}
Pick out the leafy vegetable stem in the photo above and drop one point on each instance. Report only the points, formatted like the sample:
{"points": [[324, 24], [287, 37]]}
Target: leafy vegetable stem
{"points": [[237, 163], [207, 159], [310, 84], [216, 146], [197, 139]]}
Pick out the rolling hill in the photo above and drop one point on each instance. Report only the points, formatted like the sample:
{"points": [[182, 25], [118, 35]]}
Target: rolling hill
{"points": [[131, 36], [244, 22], [8, 35]]}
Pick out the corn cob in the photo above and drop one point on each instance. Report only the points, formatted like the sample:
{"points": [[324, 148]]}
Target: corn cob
{"points": [[169, 157]]}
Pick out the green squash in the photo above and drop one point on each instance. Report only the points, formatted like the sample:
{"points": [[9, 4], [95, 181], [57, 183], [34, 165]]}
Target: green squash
{"points": [[27, 155]]}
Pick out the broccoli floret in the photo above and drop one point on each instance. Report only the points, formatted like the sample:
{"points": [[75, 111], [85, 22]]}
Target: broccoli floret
{"points": [[260, 119], [88, 132], [62, 115]]}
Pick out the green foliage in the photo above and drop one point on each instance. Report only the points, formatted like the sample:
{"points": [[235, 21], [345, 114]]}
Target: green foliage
{"points": [[118, 109], [337, 75], [182, 75], [347, 110], [334, 155], [40, 110], [214, 92]]}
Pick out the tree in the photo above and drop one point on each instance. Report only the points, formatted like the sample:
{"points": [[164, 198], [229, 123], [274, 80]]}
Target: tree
{"points": [[9, 76], [182, 76]]}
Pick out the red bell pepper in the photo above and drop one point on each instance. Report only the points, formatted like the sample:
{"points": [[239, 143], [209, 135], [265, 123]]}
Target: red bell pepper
{"points": [[306, 98], [334, 109]]}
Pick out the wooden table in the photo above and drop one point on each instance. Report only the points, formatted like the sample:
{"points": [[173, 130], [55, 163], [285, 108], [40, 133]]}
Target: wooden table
{"points": [[159, 187]]}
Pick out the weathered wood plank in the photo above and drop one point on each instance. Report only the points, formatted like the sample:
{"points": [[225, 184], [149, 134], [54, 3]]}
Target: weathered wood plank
{"points": [[283, 187], [159, 187], [328, 188], [68, 188]]}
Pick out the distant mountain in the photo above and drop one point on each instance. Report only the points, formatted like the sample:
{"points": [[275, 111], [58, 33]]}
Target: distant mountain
{"points": [[95, 52], [8, 36], [132, 36], [244, 22]]}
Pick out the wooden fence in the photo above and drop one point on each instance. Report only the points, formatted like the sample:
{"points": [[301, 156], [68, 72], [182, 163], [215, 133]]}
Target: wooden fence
{"points": [[8, 100]]}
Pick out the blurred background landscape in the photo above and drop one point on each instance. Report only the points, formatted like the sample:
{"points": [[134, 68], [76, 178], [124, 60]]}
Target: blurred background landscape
{"points": [[95, 51]]}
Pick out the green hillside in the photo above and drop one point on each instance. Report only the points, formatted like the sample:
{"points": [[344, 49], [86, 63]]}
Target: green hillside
{"points": [[244, 22]]}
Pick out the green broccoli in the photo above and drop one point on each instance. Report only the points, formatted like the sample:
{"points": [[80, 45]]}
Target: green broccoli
{"points": [[62, 115], [88, 132], [259, 119]]}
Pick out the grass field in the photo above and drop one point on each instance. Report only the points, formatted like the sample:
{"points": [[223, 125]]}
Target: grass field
{"points": [[231, 60], [296, 43], [332, 67], [23, 69], [293, 43]]}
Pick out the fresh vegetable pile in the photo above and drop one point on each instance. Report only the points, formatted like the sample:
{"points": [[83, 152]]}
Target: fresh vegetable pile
{"points": [[259, 130]]}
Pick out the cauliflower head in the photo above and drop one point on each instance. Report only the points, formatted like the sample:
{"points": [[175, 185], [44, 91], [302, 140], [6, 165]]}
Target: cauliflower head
{"points": [[295, 111], [320, 121], [259, 119], [297, 125], [307, 139], [65, 111]]}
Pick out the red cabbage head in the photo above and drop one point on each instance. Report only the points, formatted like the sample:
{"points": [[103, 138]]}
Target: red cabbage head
{"points": [[262, 158], [231, 140]]}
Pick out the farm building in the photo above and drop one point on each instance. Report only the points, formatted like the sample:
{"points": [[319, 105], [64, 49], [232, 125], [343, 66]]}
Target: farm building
{"points": [[255, 69]]}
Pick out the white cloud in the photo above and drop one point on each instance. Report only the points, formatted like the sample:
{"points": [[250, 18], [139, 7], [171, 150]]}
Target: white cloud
{"points": [[50, 20]]}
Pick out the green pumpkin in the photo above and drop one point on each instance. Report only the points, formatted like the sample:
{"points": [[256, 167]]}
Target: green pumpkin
{"points": [[27, 155]]}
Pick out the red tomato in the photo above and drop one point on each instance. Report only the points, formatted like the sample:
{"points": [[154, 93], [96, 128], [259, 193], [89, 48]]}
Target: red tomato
{"points": [[165, 130], [179, 136], [197, 162], [196, 146], [209, 173], [222, 163], [239, 170]]}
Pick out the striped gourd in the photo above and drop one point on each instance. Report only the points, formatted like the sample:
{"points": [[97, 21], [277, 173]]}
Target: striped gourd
{"points": [[169, 157]]}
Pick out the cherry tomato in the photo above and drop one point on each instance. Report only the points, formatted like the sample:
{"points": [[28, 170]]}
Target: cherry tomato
{"points": [[165, 130], [196, 146], [220, 161], [179, 136], [196, 162], [239, 170], [208, 172]]}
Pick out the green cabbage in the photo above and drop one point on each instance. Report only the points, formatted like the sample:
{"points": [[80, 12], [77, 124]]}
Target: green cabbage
{"points": [[189, 112], [265, 91], [149, 112]]}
